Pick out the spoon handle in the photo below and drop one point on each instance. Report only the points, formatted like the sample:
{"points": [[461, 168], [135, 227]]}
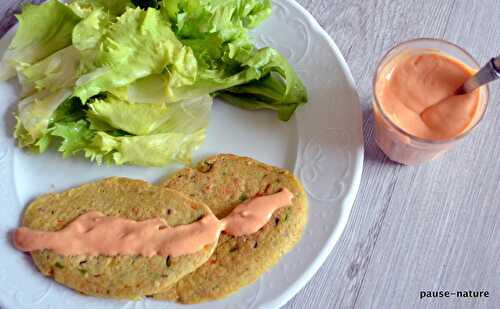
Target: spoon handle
{"points": [[488, 73]]}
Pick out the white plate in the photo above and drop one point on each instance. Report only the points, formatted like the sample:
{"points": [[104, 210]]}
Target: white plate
{"points": [[323, 144]]}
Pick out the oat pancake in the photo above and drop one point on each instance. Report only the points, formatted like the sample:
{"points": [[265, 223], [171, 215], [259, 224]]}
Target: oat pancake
{"points": [[222, 182], [119, 276]]}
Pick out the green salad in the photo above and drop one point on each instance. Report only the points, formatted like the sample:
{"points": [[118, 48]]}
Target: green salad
{"points": [[132, 81]]}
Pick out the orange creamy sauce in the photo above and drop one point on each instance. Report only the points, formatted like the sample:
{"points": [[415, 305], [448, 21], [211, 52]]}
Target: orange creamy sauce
{"points": [[96, 234], [417, 91]]}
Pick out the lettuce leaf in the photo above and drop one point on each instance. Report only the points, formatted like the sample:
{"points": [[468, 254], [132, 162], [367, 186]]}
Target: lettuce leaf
{"points": [[134, 118], [69, 125], [281, 89], [149, 89], [76, 136], [143, 119], [34, 116], [26, 140], [265, 80], [228, 62], [90, 31], [147, 150], [139, 44], [142, 134], [196, 18], [84, 8], [54, 72], [43, 30]]}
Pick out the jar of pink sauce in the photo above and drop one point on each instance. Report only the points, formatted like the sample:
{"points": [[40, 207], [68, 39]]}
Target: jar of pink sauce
{"points": [[418, 113]]}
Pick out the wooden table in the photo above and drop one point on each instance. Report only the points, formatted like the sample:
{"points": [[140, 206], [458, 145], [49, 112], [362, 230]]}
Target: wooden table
{"points": [[430, 227]]}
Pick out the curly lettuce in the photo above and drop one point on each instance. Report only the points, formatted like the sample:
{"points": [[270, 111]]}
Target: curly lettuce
{"points": [[132, 81]]}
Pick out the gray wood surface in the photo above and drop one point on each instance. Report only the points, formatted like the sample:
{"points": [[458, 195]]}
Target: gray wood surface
{"points": [[430, 227]]}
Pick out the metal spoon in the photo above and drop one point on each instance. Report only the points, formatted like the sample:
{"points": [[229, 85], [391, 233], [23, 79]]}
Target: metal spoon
{"points": [[487, 74], [434, 116]]}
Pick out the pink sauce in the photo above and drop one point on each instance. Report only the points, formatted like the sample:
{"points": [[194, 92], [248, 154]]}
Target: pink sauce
{"points": [[96, 234], [417, 91], [248, 218]]}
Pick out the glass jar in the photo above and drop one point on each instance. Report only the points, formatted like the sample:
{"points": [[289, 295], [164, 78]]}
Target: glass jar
{"points": [[402, 146]]}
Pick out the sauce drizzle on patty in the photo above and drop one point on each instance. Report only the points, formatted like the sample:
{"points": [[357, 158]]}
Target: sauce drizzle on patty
{"points": [[94, 233]]}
